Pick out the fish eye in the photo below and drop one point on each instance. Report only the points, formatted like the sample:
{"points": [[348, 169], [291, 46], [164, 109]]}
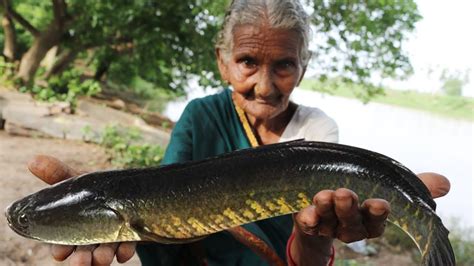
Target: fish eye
{"points": [[23, 220]]}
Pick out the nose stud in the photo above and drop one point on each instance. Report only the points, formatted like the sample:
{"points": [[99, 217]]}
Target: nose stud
{"points": [[257, 88]]}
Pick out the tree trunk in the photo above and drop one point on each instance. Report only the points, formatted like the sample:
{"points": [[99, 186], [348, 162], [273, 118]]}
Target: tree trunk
{"points": [[9, 48], [64, 60], [50, 58], [102, 69], [32, 58]]}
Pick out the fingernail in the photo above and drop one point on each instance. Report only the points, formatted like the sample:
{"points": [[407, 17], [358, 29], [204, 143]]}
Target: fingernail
{"points": [[378, 212], [344, 203], [34, 164]]}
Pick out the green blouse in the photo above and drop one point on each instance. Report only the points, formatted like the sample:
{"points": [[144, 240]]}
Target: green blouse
{"points": [[208, 127]]}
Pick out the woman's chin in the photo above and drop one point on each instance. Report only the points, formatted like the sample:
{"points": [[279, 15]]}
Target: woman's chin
{"points": [[263, 111]]}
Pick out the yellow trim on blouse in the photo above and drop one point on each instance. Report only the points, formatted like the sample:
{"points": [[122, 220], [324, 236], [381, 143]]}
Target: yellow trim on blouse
{"points": [[247, 128]]}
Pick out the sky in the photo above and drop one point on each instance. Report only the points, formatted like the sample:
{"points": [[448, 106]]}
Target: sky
{"points": [[444, 38]]}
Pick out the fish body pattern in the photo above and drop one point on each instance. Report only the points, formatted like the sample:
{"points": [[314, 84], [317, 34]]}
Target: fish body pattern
{"points": [[188, 201]]}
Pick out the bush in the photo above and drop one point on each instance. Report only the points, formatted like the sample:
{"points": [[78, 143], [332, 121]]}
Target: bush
{"points": [[124, 150], [66, 88]]}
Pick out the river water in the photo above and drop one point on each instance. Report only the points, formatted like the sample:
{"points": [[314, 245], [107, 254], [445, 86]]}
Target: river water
{"points": [[420, 140]]}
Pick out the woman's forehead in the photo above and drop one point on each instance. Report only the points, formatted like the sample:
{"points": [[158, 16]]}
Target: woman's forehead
{"points": [[248, 38]]}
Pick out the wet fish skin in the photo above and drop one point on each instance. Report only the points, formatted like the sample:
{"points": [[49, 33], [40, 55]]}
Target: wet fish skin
{"points": [[184, 202]]}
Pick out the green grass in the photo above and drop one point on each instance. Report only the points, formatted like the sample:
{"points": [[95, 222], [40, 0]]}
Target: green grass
{"points": [[449, 106]]}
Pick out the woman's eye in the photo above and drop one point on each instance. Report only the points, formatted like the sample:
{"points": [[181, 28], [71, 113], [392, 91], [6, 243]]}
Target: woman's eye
{"points": [[285, 66], [248, 62]]}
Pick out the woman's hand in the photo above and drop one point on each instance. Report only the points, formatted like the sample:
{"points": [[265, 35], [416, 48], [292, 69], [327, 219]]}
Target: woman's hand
{"points": [[338, 214], [51, 171]]}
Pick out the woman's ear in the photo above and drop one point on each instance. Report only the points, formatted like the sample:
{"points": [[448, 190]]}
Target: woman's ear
{"points": [[222, 66]]}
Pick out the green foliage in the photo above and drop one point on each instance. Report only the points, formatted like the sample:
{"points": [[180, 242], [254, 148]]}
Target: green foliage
{"points": [[124, 150], [148, 95], [462, 241], [163, 43], [87, 133], [6, 68], [166, 43], [362, 38], [453, 87], [449, 106], [67, 88], [37, 12], [454, 82]]}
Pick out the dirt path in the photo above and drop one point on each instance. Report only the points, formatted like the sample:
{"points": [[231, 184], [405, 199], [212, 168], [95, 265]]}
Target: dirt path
{"points": [[16, 182]]}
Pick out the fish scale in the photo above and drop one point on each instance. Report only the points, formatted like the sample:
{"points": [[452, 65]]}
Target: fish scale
{"points": [[187, 201]]}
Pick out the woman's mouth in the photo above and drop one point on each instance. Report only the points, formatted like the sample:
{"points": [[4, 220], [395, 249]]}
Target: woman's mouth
{"points": [[272, 100]]}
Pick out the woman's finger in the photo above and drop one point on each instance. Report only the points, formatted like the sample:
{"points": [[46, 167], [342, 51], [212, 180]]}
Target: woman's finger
{"points": [[50, 169], [324, 202], [437, 184], [61, 252], [307, 220], [82, 256], [104, 254], [125, 251], [375, 213], [346, 206]]}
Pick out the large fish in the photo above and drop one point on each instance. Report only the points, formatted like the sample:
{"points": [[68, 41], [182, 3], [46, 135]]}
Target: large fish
{"points": [[187, 201]]}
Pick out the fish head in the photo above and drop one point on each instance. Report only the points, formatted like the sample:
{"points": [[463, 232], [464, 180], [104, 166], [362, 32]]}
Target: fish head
{"points": [[65, 214]]}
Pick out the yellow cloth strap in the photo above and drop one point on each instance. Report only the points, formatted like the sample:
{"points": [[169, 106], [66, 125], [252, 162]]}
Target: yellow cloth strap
{"points": [[247, 128], [244, 236]]}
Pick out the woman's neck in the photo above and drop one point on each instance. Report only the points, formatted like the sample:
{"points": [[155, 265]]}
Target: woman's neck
{"points": [[268, 131]]}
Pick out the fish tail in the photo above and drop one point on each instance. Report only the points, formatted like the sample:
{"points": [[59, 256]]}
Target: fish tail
{"points": [[439, 251]]}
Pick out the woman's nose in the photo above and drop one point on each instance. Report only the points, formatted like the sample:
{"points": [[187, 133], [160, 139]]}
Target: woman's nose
{"points": [[265, 87]]}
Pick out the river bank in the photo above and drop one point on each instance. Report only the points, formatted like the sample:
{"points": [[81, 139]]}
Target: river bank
{"points": [[456, 107]]}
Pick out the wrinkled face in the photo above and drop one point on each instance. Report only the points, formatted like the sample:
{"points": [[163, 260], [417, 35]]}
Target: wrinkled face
{"points": [[263, 69]]}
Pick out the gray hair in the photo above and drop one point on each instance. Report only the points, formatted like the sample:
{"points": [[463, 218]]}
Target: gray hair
{"points": [[279, 14]]}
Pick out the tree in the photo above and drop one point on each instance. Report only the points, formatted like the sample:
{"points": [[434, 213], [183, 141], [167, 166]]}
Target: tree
{"points": [[169, 42], [360, 39], [42, 40], [162, 42], [10, 45]]}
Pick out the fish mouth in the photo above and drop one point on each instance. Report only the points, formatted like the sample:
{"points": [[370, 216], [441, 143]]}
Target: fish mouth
{"points": [[7, 211]]}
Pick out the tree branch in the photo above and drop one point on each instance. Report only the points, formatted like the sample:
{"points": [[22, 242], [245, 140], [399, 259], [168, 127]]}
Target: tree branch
{"points": [[60, 12], [18, 18]]}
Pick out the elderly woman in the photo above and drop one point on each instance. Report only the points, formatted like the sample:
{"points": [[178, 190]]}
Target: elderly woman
{"points": [[262, 53]]}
